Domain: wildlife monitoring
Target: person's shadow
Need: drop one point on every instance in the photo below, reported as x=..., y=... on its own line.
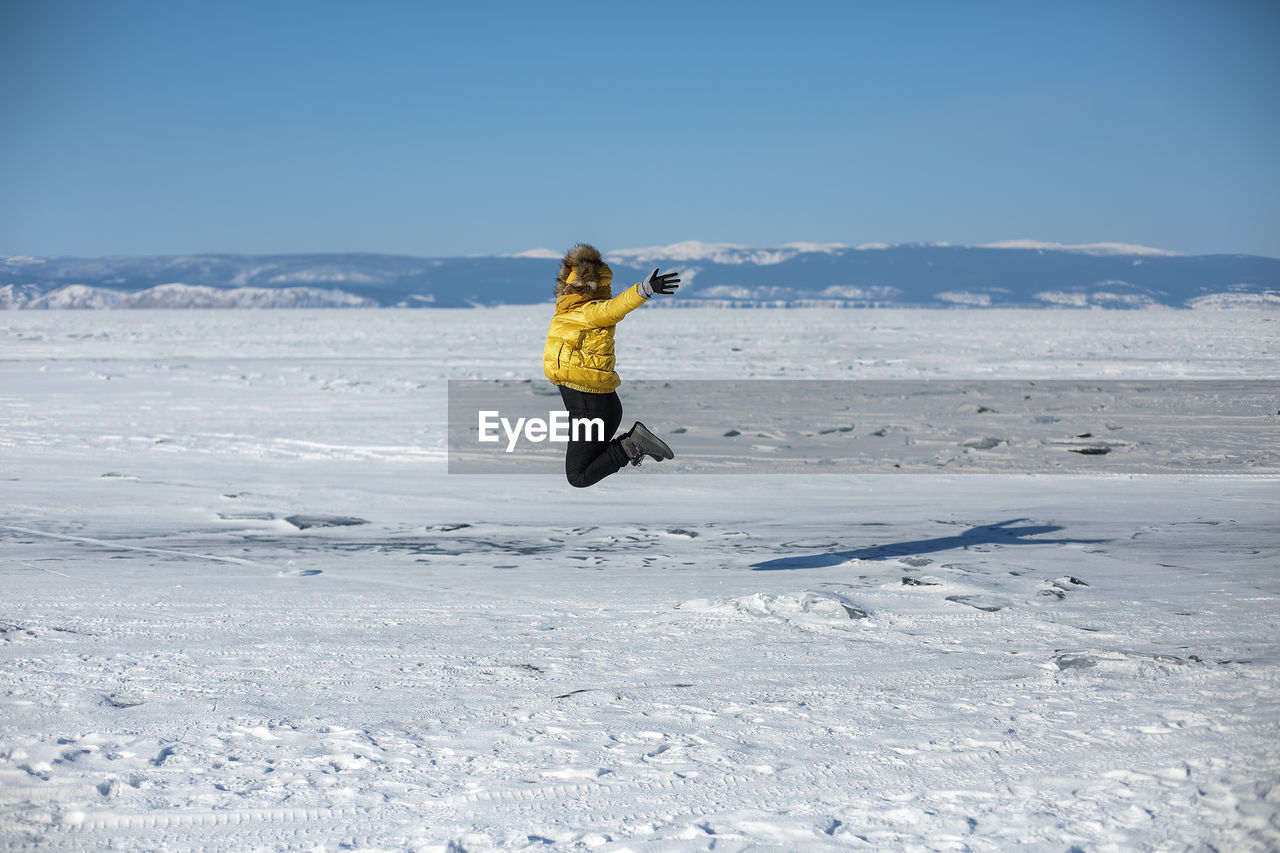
x=989, y=534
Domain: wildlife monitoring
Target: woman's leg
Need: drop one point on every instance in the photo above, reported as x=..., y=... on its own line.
x=589, y=460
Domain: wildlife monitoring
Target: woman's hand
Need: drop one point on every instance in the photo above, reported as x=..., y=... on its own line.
x=664, y=284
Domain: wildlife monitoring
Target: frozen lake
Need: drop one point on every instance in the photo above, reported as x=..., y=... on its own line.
x=199, y=642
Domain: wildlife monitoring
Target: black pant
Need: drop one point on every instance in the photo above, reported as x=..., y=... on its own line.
x=587, y=462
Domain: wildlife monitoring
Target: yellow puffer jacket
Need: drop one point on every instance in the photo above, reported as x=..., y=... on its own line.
x=579, y=350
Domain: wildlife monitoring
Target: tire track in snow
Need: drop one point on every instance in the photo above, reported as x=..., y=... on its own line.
x=115, y=546
x=79, y=821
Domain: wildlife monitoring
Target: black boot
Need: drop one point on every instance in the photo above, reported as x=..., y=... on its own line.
x=638, y=442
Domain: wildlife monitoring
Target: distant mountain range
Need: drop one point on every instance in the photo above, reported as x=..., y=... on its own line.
x=1014, y=274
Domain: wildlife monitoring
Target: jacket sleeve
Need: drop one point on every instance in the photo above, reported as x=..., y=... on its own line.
x=609, y=312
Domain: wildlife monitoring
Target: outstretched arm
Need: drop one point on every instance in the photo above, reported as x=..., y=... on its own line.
x=608, y=313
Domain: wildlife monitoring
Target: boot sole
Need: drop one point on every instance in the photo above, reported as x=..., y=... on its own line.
x=650, y=443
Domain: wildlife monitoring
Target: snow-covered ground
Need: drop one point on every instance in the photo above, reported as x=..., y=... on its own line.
x=200, y=648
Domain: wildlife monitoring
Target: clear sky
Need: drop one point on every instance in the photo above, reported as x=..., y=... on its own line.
x=427, y=128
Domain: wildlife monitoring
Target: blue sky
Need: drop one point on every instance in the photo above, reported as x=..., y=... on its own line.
x=486, y=127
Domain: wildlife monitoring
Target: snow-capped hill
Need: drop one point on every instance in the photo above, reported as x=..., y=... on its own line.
x=734, y=253
x=1016, y=273
x=201, y=296
x=79, y=296
x=1232, y=301
x=538, y=254
x=322, y=276
x=1086, y=248
x=719, y=253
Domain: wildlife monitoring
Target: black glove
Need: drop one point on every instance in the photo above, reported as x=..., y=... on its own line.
x=664, y=284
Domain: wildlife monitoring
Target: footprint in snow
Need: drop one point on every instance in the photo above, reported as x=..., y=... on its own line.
x=1121, y=662
x=302, y=522
x=1059, y=588
x=989, y=603
x=983, y=443
x=807, y=608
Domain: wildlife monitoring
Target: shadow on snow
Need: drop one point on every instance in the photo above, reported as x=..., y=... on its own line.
x=990, y=534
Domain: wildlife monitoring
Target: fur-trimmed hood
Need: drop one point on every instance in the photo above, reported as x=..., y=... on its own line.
x=583, y=272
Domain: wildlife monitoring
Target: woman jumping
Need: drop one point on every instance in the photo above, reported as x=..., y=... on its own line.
x=579, y=359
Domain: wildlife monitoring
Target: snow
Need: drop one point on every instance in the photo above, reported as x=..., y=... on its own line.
x=964, y=297
x=1105, y=299
x=246, y=608
x=78, y=296
x=850, y=292
x=1059, y=297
